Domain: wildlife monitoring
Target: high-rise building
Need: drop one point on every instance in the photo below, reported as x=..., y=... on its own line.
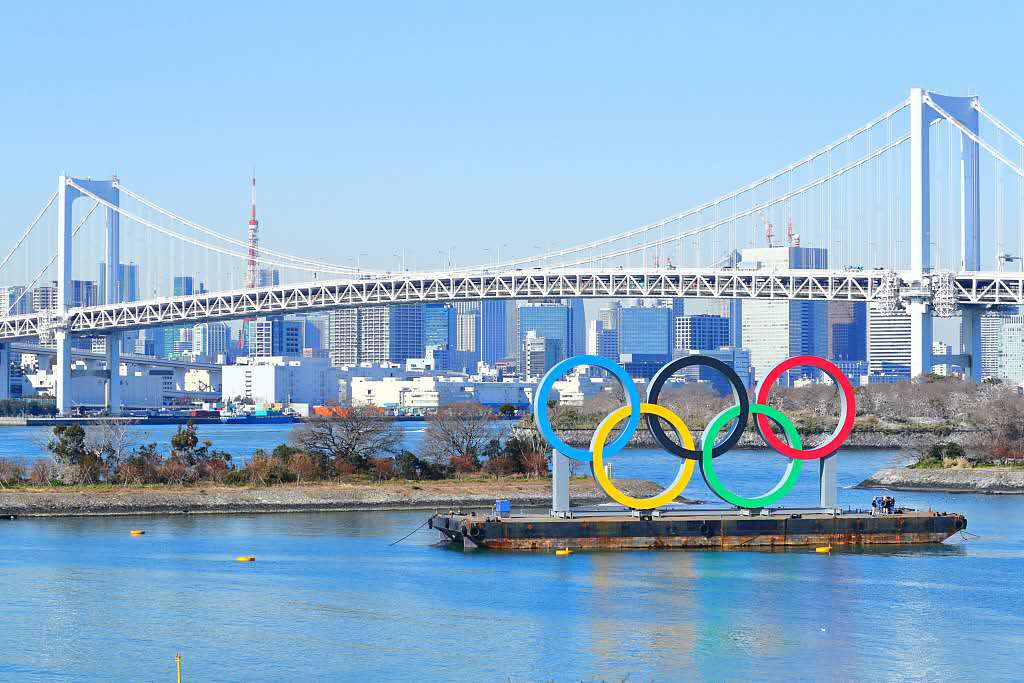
x=129, y=289
x=1010, y=351
x=210, y=339
x=776, y=330
x=539, y=354
x=44, y=297
x=494, y=324
x=554, y=322
x=701, y=332
x=888, y=346
x=83, y=293
x=177, y=338
x=602, y=342
x=343, y=336
x=577, y=343
x=390, y=333
x=645, y=331
x=737, y=359
x=847, y=330
x=439, y=325
x=482, y=331
x=14, y=301
x=268, y=277
x=609, y=315
x=275, y=336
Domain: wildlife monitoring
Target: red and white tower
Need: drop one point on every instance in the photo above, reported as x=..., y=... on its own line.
x=252, y=275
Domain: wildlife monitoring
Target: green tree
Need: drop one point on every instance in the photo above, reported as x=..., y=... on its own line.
x=70, y=450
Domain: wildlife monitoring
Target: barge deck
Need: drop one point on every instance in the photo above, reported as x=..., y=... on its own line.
x=704, y=529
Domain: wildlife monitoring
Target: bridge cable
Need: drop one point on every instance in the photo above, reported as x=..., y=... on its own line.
x=39, y=217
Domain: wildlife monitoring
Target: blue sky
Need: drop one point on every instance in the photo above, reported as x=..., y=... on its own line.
x=438, y=124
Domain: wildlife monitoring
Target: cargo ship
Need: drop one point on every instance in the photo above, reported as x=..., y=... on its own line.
x=727, y=529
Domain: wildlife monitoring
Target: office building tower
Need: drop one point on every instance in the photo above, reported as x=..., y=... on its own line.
x=268, y=277
x=602, y=342
x=847, y=330
x=539, y=354
x=129, y=286
x=343, y=336
x=15, y=301
x=737, y=359
x=44, y=298
x=776, y=330
x=494, y=325
x=645, y=331
x=577, y=327
x=888, y=346
x=553, y=322
x=1009, y=350
x=701, y=332
x=391, y=333
x=210, y=340
x=609, y=315
x=439, y=325
x=83, y=293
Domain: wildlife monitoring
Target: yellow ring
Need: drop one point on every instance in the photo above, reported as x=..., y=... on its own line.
x=685, y=468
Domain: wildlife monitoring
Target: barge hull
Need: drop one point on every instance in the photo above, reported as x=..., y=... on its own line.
x=725, y=531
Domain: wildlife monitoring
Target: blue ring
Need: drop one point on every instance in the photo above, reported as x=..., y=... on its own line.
x=540, y=406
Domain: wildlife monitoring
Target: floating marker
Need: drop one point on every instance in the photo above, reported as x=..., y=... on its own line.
x=823, y=549
x=138, y=532
x=564, y=551
x=245, y=558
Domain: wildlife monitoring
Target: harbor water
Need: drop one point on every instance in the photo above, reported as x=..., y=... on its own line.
x=329, y=599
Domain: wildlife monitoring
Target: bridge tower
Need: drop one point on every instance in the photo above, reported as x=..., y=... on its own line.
x=66, y=195
x=922, y=114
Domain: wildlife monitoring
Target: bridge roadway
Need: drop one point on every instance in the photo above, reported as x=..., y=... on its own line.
x=965, y=289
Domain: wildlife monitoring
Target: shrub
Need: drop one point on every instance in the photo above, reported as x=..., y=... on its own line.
x=11, y=472
x=384, y=468
x=303, y=466
x=41, y=473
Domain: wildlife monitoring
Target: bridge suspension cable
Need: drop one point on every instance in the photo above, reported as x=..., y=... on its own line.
x=191, y=240
x=656, y=225
x=975, y=138
x=28, y=231
x=300, y=262
x=42, y=271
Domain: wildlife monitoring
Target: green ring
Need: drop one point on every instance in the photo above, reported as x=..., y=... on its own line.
x=707, y=466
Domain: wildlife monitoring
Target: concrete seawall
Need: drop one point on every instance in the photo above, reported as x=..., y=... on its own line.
x=980, y=480
x=913, y=440
x=420, y=495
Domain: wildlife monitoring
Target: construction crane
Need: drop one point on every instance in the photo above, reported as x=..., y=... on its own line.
x=792, y=238
x=769, y=230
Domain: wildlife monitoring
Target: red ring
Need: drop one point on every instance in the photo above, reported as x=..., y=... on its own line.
x=847, y=399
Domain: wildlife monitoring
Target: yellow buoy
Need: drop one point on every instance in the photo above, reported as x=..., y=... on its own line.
x=564, y=551
x=823, y=549
x=245, y=558
x=137, y=532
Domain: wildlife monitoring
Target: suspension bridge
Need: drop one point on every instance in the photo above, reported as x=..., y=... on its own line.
x=897, y=203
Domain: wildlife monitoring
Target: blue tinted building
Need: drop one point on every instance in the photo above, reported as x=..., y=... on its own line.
x=645, y=331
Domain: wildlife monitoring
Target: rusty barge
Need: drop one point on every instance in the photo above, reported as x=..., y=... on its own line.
x=692, y=529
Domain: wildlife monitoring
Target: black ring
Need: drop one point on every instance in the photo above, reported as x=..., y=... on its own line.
x=738, y=390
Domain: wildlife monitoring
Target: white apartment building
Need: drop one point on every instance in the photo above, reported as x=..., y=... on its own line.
x=276, y=379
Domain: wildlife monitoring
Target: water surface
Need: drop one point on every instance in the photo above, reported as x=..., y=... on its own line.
x=329, y=599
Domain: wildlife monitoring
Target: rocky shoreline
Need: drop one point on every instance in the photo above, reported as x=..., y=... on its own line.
x=996, y=480
x=322, y=497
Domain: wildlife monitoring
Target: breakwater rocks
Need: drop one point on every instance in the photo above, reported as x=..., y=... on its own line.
x=910, y=439
x=422, y=495
x=952, y=480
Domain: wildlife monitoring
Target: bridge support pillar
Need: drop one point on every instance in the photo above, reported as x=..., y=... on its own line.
x=920, y=338
x=5, y=370
x=970, y=341
x=113, y=394
x=62, y=372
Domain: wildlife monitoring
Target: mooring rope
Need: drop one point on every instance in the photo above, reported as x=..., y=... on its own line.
x=425, y=522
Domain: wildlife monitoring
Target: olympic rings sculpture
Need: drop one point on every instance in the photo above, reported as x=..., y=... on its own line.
x=734, y=417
